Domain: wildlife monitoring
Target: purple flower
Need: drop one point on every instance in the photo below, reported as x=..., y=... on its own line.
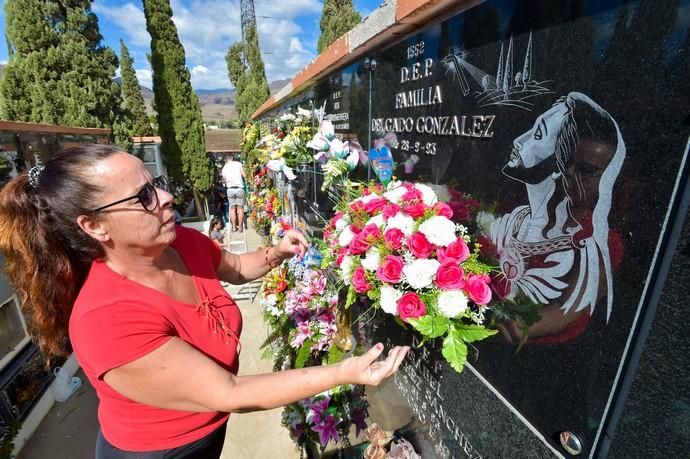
x=317, y=409
x=359, y=416
x=327, y=430
x=303, y=333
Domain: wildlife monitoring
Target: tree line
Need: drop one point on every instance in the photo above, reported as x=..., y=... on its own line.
x=60, y=72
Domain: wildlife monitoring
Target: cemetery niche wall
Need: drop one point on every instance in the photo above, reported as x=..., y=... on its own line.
x=562, y=128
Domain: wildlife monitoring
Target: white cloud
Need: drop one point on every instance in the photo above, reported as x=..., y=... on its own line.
x=129, y=18
x=208, y=27
x=145, y=77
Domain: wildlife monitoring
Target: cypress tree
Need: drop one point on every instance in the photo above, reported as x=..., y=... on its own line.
x=134, y=101
x=58, y=71
x=180, y=123
x=337, y=18
x=247, y=73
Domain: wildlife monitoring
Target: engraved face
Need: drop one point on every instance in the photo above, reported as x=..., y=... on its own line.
x=533, y=158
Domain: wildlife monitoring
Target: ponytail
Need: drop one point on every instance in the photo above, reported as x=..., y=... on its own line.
x=48, y=256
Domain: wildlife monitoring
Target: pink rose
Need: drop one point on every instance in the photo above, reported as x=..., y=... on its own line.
x=410, y=306
x=366, y=192
x=371, y=233
x=450, y=276
x=443, y=209
x=419, y=245
x=357, y=206
x=391, y=210
x=415, y=210
x=375, y=205
x=457, y=251
x=359, y=244
x=393, y=238
x=478, y=290
x=341, y=255
x=412, y=194
x=356, y=228
x=390, y=270
x=359, y=280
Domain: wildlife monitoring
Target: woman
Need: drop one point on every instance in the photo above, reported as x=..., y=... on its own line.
x=215, y=233
x=108, y=274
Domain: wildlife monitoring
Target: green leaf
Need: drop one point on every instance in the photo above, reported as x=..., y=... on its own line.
x=335, y=355
x=471, y=333
x=373, y=294
x=430, y=326
x=351, y=297
x=455, y=350
x=303, y=354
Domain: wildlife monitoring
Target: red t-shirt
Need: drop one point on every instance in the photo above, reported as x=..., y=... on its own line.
x=116, y=321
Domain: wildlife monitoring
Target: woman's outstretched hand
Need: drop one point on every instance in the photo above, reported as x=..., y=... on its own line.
x=365, y=369
x=293, y=243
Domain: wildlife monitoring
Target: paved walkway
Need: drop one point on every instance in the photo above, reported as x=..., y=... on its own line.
x=70, y=428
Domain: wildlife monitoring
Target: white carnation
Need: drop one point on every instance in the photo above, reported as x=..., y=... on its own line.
x=428, y=196
x=372, y=260
x=452, y=303
x=395, y=195
x=439, y=230
x=346, y=236
x=389, y=299
x=367, y=198
x=403, y=222
x=342, y=222
x=378, y=220
x=346, y=269
x=420, y=273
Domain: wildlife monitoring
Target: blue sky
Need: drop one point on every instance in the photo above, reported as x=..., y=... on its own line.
x=288, y=32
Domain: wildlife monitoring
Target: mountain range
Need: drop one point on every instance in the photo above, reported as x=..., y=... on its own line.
x=216, y=104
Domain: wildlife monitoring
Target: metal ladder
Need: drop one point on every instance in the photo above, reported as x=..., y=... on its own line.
x=237, y=245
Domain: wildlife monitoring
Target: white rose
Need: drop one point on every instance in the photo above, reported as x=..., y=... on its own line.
x=346, y=269
x=403, y=222
x=342, y=222
x=377, y=220
x=272, y=299
x=452, y=303
x=395, y=195
x=389, y=299
x=428, y=196
x=367, y=198
x=420, y=273
x=438, y=230
x=346, y=236
x=372, y=260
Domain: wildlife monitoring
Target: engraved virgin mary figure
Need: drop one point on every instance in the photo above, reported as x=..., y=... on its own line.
x=555, y=249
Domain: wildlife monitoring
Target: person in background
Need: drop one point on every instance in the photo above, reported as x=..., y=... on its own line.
x=233, y=176
x=215, y=231
x=107, y=274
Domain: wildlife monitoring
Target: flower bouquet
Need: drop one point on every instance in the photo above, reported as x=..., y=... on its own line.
x=326, y=417
x=265, y=207
x=337, y=157
x=400, y=249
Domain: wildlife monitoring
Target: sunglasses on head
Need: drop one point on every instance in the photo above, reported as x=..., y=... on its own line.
x=147, y=196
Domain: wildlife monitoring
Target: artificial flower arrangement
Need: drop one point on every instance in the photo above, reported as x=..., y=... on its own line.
x=278, y=229
x=336, y=157
x=400, y=248
x=300, y=307
x=327, y=417
x=289, y=147
x=265, y=207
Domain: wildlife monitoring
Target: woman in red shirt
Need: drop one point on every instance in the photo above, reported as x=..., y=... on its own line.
x=108, y=274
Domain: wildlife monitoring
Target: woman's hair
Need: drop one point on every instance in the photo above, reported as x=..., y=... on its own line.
x=212, y=225
x=48, y=255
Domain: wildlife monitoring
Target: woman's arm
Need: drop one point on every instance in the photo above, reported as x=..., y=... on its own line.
x=176, y=376
x=240, y=269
